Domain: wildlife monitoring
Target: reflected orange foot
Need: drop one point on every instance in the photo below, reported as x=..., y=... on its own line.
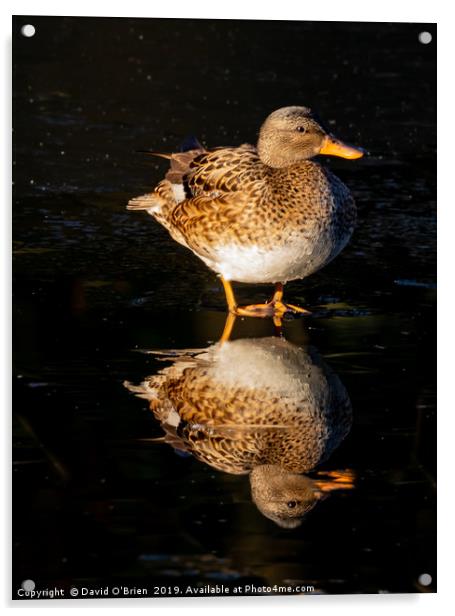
x=342, y=476
x=339, y=480
x=275, y=308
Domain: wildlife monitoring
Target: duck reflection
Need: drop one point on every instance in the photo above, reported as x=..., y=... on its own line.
x=257, y=406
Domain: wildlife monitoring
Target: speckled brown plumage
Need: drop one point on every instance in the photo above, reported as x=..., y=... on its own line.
x=259, y=214
x=249, y=403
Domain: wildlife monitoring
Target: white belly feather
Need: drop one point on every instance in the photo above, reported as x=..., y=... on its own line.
x=254, y=264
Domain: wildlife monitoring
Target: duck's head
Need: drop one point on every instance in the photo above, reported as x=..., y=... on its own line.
x=282, y=496
x=293, y=134
x=286, y=497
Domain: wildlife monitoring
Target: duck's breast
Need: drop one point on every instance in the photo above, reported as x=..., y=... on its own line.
x=291, y=233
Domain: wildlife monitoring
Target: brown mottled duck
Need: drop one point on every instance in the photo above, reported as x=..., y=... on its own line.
x=259, y=214
x=262, y=407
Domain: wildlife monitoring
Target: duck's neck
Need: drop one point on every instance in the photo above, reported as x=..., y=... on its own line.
x=280, y=159
x=272, y=159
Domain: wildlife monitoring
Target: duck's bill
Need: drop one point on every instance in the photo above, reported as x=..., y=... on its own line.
x=334, y=147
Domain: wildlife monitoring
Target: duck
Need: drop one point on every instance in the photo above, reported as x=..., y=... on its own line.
x=259, y=214
x=261, y=407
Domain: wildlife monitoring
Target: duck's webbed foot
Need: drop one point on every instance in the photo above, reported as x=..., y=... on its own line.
x=275, y=308
x=336, y=480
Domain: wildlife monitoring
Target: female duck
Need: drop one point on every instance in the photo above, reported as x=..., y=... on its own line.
x=264, y=214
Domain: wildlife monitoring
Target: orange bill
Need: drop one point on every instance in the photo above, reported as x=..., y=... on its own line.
x=334, y=147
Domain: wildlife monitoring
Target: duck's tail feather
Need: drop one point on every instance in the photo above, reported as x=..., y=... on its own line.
x=151, y=202
x=179, y=161
x=160, y=204
x=167, y=155
x=189, y=144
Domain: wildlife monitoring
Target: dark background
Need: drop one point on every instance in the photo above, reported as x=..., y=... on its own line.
x=93, y=503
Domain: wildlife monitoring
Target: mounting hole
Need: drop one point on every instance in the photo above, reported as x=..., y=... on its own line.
x=28, y=585
x=425, y=38
x=425, y=579
x=28, y=30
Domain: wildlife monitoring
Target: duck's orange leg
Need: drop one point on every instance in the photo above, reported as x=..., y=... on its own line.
x=228, y=327
x=280, y=306
x=275, y=308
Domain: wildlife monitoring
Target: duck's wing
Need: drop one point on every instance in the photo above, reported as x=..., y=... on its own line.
x=208, y=195
x=187, y=425
x=222, y=184
x=206, y=171
x=200, y=172
x=223, y=170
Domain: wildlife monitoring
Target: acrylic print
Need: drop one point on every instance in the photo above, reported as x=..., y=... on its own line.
x=224, y=308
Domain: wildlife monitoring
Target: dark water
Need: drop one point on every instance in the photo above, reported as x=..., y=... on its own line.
x=95, y=501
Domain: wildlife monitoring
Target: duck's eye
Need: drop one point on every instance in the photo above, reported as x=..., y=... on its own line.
x=292, y=504
x=301, y=129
